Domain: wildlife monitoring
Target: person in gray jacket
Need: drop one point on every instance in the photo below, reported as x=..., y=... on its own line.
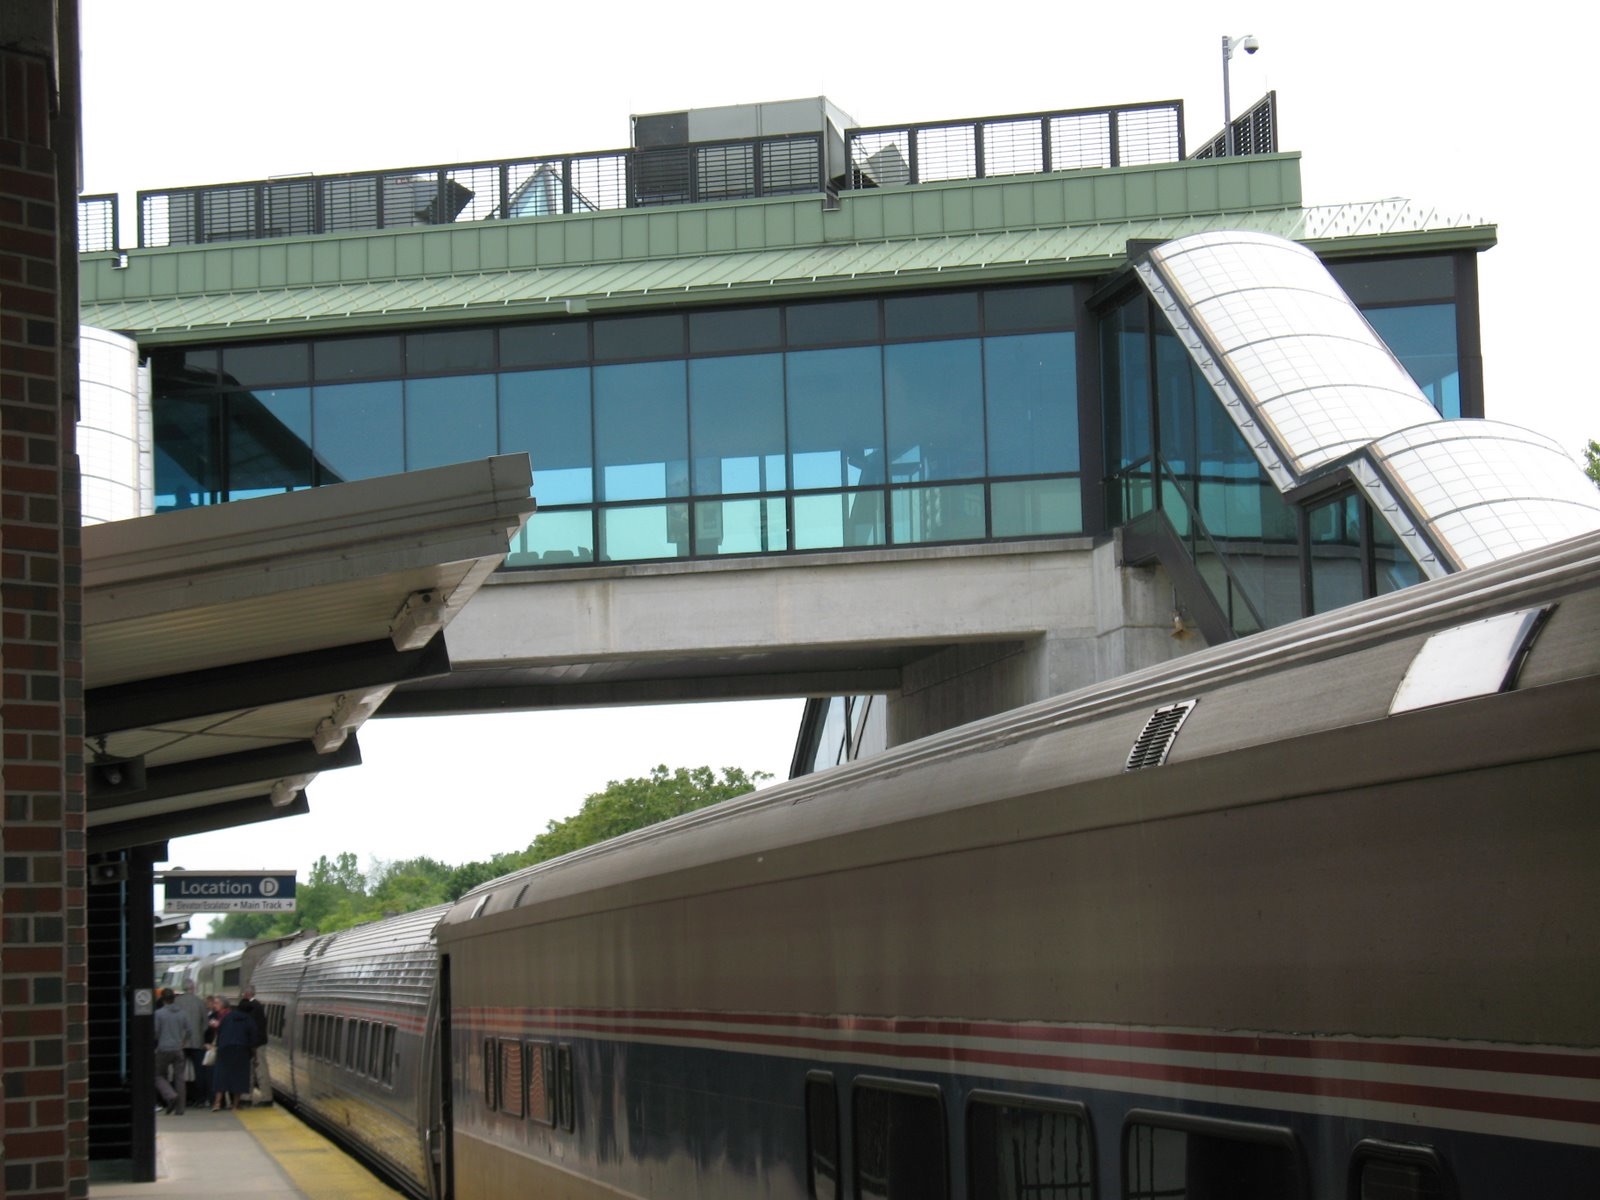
x=194, y=1010
x=172, y=1038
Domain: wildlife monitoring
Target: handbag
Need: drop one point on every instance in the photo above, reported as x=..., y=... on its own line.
x=210, y=1059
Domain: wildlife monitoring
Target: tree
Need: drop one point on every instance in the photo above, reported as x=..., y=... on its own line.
x=629, y=804
x=1591, y=461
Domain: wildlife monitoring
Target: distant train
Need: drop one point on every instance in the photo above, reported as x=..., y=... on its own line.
x=1312, y=914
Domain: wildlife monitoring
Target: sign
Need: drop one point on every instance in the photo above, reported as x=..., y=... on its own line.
x=144, y=1002
x=174, y=949
x=233, y=891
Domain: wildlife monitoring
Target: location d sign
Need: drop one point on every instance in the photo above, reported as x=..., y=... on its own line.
x=231, y=891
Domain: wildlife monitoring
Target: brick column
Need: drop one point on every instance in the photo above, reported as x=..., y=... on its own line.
x=42, y=946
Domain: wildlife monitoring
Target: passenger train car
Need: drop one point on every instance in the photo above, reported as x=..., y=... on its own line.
x=351, y=1039
x=1312, y=914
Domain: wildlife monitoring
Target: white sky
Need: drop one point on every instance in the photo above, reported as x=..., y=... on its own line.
x=1471, y=109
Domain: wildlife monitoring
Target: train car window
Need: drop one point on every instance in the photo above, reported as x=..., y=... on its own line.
x=230, y=977
x=1020, y=1147
x=358, y=1060
x=1396, y=1171
x=388, y=1054
x=374, y=1066
x=822, y=1136
x=1169, y=1155
x=491, y=1091
x=513, y=1095
x=566, y=1104
x=899, y=1141
x=336, y=1051
x=541, y=1074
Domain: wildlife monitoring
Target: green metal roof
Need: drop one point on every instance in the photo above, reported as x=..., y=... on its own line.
x=974, y=230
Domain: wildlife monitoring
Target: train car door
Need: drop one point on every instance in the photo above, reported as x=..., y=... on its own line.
x=441, y=1136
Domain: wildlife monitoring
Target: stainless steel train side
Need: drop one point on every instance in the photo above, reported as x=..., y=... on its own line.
x=351, y=1040
x=1330, y=944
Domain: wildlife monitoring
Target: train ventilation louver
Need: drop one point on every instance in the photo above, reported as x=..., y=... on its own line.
x=1160, y=731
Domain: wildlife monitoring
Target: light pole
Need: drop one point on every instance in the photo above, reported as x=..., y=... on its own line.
x=1249, y=43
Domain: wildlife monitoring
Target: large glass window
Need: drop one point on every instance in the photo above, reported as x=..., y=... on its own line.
x=1423, y=338
x=641, y=431
x=836, y=417
x=1031, y=384
x=750, y=430
x=449, y=420
x=188, y=450
x=736, y=424
x=545, y=414
x=269, y=442
x=935, y=410
x=358, y=431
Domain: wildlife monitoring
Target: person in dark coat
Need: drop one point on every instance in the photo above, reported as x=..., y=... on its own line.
x=259, y=1077
x=230, y=1076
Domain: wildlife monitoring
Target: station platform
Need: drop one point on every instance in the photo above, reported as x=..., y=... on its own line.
x=253, y=1154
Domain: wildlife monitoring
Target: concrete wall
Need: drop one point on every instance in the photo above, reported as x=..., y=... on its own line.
x=951, y=633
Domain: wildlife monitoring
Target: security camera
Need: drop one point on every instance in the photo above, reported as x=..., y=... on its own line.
x=1251, y=44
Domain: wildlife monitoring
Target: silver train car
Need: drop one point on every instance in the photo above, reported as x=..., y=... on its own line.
x=1315, y=914
x=351, y=1041
x=1312, y=915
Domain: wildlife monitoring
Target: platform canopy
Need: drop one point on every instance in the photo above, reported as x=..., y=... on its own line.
x=232, y=651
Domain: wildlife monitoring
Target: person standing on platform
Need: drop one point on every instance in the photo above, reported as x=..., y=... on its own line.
x=230, y=1076
x=260, y=1077
x=194, y=1011
x=172, y=1038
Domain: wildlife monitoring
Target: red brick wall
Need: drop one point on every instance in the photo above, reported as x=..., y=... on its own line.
x=42, y=947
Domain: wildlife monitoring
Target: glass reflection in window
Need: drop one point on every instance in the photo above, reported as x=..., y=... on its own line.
x=935, y=410
x=641, y=431
x=545, y=414
x=1031, y=386
x=269, y=442
x=357, y=430
x=449, y=420
x=736, y=424
x=836, y=417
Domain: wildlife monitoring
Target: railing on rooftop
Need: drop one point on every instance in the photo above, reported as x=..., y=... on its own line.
x=440, y=195
x=709, y=172
x=97, y=223
x=1255, y=131
x=1026, y=144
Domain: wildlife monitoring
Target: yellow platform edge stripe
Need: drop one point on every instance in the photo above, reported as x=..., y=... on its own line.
x=316, y=1167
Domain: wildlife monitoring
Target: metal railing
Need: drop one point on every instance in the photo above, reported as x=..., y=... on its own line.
x=1254, y=132
x=878, y=156
x=1023, y=144
x=418, y=196
x=97, y=224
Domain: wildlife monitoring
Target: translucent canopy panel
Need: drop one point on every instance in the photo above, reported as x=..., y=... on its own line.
x=1485, y=489
x=1313, y=390
x=1302, y=358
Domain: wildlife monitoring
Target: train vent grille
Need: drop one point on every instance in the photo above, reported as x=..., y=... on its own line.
x=1160, y=731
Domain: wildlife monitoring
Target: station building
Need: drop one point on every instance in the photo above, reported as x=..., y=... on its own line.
x=920, y=422
x=813, y=408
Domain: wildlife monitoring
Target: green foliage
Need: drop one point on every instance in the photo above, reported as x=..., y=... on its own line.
x=629, y=804
x=1591, y=461
x=338, y=894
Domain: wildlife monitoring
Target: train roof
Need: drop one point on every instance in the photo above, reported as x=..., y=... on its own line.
x=392, y=959
x=1269, y=713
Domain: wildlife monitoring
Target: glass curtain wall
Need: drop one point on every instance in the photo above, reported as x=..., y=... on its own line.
x=1171, y=446
x=935, y=417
